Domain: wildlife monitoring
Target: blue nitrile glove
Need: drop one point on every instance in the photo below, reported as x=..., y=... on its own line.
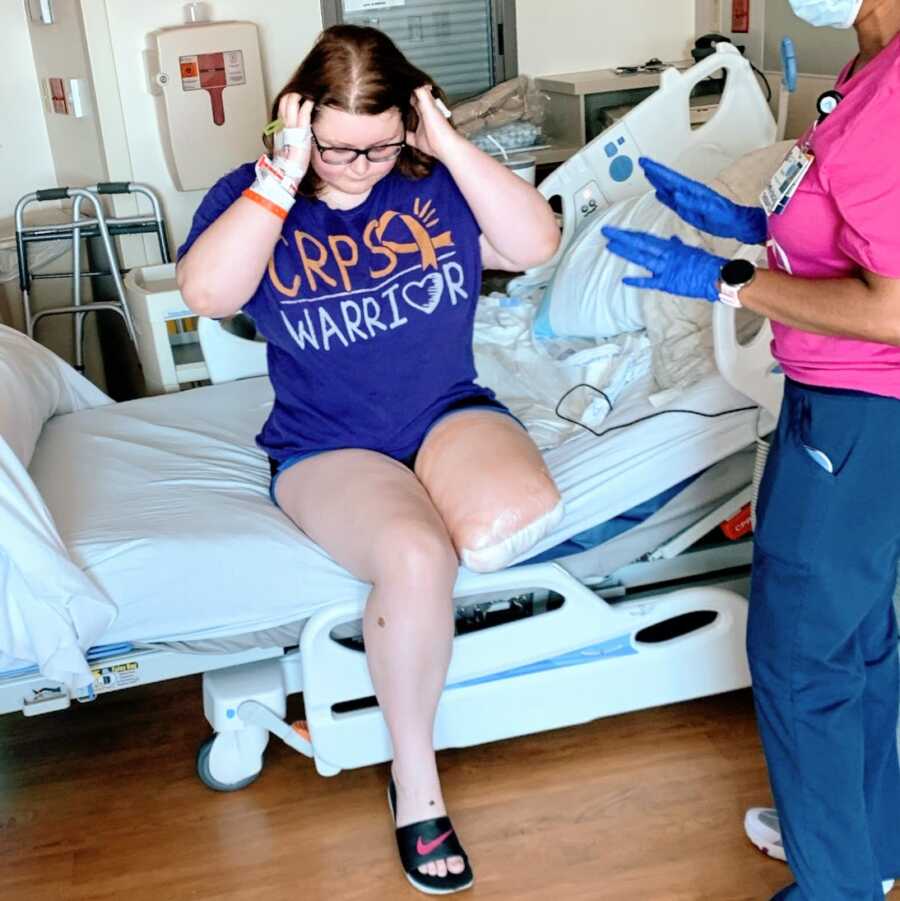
x=704, y=208
x=676, y=267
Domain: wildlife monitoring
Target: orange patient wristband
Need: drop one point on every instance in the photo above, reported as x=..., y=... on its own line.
x=265, y=203
x=274, y=188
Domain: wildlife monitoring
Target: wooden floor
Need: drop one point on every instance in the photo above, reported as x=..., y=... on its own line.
x=101, y=802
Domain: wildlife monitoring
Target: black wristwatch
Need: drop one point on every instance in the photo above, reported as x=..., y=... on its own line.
x=734, y=276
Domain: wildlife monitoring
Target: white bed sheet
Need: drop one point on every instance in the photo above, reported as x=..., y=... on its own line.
x=164, y=502
x=532, y=375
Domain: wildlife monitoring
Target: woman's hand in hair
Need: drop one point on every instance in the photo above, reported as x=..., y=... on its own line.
x=434, y=134
x=295, y=112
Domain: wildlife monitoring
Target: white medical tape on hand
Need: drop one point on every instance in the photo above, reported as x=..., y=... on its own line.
x=291, y=168
x=295, y=137
x=291, y=137
x=442, y=107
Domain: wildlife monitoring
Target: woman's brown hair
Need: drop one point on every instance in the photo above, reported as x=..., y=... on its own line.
x=360, y=70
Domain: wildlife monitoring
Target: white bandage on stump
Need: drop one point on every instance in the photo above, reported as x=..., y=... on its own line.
x=496, y=555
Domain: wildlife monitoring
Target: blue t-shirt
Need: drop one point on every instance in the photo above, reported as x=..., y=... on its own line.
x=368, y=313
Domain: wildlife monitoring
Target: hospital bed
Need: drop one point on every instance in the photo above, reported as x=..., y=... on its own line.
x=172, y=560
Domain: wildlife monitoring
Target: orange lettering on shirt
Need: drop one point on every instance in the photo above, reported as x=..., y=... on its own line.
x=422, y=241
x=311, y=266
x=391, y=264
x=344, y=263
x=280, y=287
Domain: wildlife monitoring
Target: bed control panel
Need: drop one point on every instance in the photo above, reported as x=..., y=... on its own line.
x=620, y=163
x=590, y=199
x=616, y=177
x=621, y=166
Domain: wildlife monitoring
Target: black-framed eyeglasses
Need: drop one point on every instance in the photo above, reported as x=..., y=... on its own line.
x=343, y=156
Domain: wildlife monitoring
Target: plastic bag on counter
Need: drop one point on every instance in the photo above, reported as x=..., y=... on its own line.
x=506, y=103
x=515, y=136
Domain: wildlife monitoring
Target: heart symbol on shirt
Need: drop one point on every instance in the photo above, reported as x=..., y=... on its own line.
x=426, y=294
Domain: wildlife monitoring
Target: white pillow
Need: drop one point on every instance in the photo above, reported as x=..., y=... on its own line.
x=680, y=330
x=35, y=384
x=586, y=297
x=743, y=181
x=50, y=611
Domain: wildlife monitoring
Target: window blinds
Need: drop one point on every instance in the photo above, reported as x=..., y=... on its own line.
x=448, y=39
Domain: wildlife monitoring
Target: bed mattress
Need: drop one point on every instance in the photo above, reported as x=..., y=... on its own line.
x=164, y=502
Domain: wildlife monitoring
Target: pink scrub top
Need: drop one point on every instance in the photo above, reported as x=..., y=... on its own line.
x=845, y=217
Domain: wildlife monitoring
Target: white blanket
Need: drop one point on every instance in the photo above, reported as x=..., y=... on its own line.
x=558, y=388
x=51, y=612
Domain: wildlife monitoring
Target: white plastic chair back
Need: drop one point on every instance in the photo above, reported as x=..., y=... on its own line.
x=228, y=356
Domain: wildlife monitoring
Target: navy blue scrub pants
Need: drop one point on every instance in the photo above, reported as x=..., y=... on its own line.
x=822, y=639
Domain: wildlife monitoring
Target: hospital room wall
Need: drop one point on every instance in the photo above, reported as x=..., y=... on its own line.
x=821, y=52
x=573, y=35
x=117, y=34
x=73, y=145
x=24, y=147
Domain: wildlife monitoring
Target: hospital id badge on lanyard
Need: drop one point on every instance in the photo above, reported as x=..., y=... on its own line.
x=799, y=161
x=788, y=178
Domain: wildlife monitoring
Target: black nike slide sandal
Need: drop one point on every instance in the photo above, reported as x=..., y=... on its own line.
x=420, y=843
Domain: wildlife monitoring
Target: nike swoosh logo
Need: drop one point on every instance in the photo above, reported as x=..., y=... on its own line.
x=424, y=848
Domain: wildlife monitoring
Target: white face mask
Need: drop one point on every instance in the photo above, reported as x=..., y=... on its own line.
x=827, y=13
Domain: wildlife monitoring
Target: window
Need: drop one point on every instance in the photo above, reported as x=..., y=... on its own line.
x=467, y=46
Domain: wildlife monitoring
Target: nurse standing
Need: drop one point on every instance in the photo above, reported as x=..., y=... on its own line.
x=822, y=636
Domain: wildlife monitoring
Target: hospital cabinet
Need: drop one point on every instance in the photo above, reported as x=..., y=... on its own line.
x=584, y=104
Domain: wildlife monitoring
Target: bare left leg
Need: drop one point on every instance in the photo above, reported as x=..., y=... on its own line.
x=374, y=518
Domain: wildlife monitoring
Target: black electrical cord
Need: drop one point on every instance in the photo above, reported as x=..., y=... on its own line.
x=762, y=75
x=626, y=425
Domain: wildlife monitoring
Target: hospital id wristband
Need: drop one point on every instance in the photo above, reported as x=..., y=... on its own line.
x=265, y=203
x=274, y=193
x=269, y=171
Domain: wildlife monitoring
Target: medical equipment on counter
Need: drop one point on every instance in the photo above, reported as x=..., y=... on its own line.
x=168, y=349
x=606, y=169
x=174, y=354
x=79, y=229
x=211, y=98
x=788, y=84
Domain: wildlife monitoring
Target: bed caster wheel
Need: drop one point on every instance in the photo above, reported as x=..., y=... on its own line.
x=225, y=763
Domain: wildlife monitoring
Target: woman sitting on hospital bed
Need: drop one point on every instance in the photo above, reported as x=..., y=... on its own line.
x=357, y=248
